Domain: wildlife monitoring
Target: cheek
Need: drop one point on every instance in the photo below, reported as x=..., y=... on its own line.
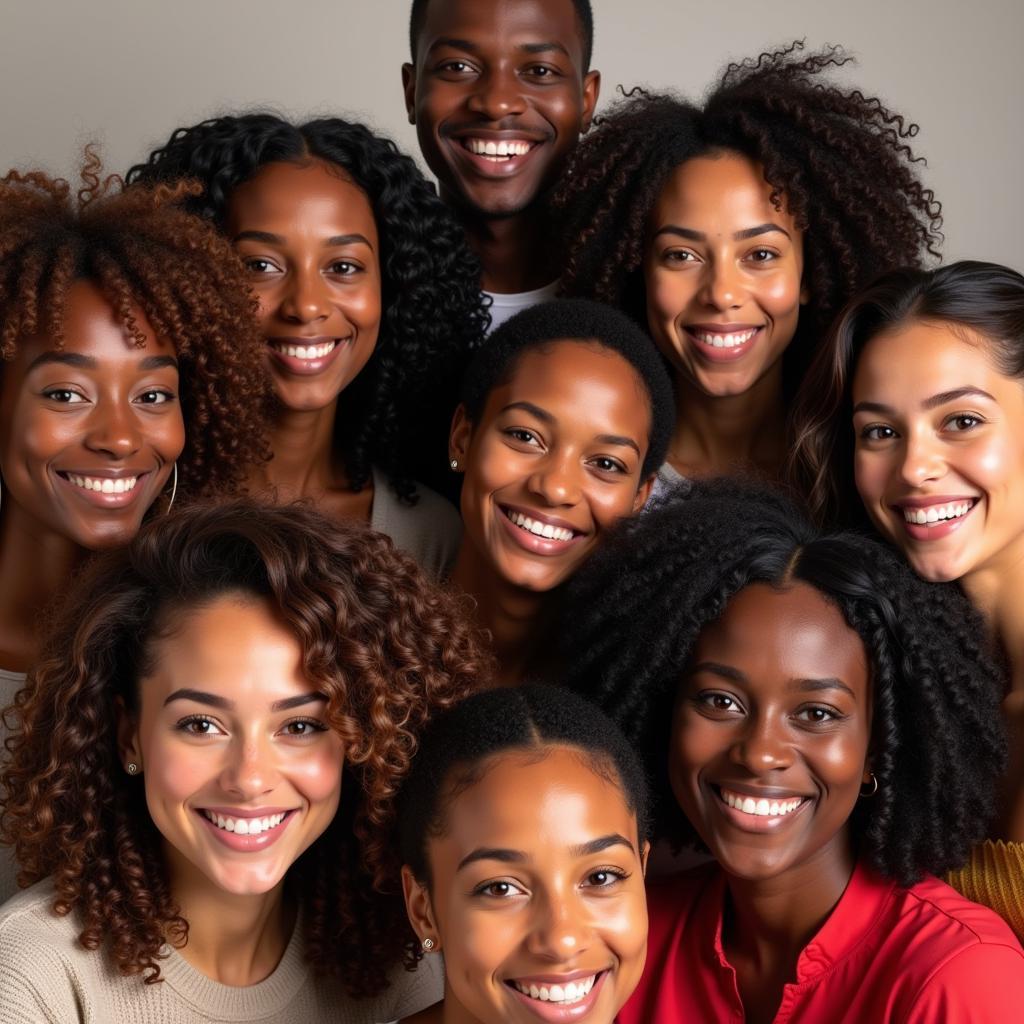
x=477, y=943
x=363, y=307
x=779, y=295
x=167, y=435
x=316, y=773
x=173, y=775
x=871, y=471
x=668, y=294
x=998, y=463
x=609, y=505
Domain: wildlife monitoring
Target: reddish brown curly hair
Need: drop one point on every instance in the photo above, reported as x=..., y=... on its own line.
x=144, y=253
x=387, y=647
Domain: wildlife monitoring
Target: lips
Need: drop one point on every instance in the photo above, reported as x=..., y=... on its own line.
x=759, y=810
x=723, y=343
x=246, y=831
x=110, y=489
x=536, y=532
x=559, y=999
x=495, y=154
x=306, y=356
x=931, y=518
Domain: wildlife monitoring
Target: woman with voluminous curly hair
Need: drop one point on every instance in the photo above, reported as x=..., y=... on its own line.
x=827, y=725
x=203, y=775
x=131, y=377
x=370, y=305
x=735, y=229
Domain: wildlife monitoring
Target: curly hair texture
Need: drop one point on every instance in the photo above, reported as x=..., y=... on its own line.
x=937, y=742
x=387, y=648
x=984, y=300
x=143, y=252
x=561, y=319
x=838, y=159
x=433, y=310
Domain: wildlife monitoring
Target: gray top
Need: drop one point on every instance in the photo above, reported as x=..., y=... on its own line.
x=429, y=531
x=668, y=480
x=10, y=684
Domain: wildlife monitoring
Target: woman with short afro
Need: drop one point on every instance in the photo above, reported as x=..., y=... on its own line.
x=735, y=229
x=370, y=305
x=827, y=725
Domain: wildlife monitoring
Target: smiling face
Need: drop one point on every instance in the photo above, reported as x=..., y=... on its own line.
x=537, y=893
x=722, y=272
x=242, y=772
x=555, y=461
x=309, y=240
x=499, y=97
x=939, y=458
x=770, y=733
x=89, y=433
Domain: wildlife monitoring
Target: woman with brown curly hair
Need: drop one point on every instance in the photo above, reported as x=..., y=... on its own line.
x=204, y=772
x=736, y=229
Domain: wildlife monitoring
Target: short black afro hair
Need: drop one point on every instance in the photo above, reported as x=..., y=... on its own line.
x=576, y=320
x=584, y=15
x=635, y=611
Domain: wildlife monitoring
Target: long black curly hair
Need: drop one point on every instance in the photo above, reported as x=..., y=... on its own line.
x=837, y=158
x=635, y=611
x=395, y=414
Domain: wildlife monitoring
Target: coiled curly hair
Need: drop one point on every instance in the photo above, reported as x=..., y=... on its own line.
x=143, y=252
x=396, y=413
x=937, y=748
x=838, y=159
x=387, y=648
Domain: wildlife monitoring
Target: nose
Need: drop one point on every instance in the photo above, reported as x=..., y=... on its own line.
x=306, y=299
x=560, y=930
x=762, y=745
x=922, y=460
x=498, y=94
x=249, y=769
x=556, y=480
x=113, y=428
x=722, y=286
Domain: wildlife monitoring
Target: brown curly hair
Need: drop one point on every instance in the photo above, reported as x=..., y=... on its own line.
x=387, y=647
x=143, y=252
x=839, y=158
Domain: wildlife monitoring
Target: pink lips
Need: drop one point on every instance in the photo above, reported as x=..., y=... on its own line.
x=939, y=530
x=531, y=542
x=305, y=367
x=756, y=822
x=556, y=1013
x=486, y=168
x=727, y=353
x=246, y=843
x=100, y=499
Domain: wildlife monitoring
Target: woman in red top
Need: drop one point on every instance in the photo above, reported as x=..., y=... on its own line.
x=827, y=725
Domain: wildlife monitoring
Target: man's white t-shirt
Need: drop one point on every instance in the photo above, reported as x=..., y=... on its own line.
x=505, y=306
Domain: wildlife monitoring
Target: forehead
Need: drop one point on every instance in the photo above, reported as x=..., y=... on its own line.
x=501, y=24
x=776, y=635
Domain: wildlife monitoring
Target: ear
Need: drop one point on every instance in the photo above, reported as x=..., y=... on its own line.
x=409, y=88
x=644, y=492
x=459, y=438
x=419, y=909
x=128, y=748
x=645, y=852
x=591, y=91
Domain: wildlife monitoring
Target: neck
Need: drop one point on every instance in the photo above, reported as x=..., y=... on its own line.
x=513, y=616
x=303, y=463
x=515, y=252
x=716, y=435
x=36, y=566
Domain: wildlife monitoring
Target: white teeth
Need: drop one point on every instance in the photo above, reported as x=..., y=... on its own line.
x=725, y=340
x=761, y=808
x=545, y=530
x=245, y=826
x=937, y=513
x=105, y=485
x=306, y=351
x=570, y=992
x=498, y=151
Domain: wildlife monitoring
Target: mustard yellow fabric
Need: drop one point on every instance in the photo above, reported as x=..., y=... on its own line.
x=994, y=877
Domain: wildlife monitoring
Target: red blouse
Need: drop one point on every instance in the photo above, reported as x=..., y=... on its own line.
x=922, y=955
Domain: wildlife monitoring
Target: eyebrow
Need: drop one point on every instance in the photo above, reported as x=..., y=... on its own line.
x=271, y=239
x=738, y=236
x=599, y=844
x=81, y=362
x=214, y=701
x=545, y=417
x=802, y=685
x=929, y=403
x=725, y=671
x=507, y=856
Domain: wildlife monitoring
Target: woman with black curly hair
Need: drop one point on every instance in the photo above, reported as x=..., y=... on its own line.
x=370, y=305
x=202, y=780
x=735, y=230
x=827, y=725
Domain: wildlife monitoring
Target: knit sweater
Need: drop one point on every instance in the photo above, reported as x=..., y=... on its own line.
x=994, y=877
x=10, y=684
x=46, y=976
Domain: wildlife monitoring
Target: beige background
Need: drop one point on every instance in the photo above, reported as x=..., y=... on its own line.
x=126, y=72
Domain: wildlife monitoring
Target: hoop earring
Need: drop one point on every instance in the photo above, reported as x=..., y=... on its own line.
x=174, y=488
x=873, y=784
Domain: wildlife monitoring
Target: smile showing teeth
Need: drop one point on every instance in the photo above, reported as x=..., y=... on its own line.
x=105, y=485
x=245, y=826
x=725, y=340
x=570, y=992
x=937, y=513
x=305, y=351
x=545, y=530
x=498, y=151
x=762, y=808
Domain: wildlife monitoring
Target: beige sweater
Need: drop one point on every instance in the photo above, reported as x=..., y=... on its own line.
x=46, y=976
x=10, y=684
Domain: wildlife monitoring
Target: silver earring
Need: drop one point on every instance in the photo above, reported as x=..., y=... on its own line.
x=873, y=784
x=131, y=768
x=174, y=488
x=454, y=463
x=428, y=944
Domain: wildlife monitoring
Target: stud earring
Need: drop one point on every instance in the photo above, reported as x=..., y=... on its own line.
x=873, y=784
x=454, y=463
x=131, y=768
x=428, y=944
x=174, y=488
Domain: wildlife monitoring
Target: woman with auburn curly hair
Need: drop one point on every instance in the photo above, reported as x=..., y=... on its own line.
x=370, y=305
x=736, y=229
x=204, y=773
x=827, y=725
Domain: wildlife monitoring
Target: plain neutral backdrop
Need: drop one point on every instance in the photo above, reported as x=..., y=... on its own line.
x=125, y=73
